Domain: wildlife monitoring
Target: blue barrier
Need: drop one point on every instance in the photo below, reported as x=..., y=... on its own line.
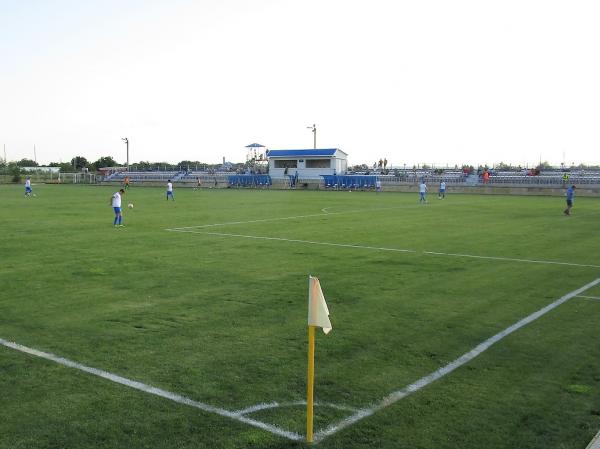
x=249, y=180
x=349, y=182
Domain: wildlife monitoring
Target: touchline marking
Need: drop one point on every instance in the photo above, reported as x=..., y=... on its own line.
x=379, y=248
x=153, y=390
x=432, y=377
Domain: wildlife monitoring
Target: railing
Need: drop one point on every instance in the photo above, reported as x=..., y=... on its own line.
x=549, y=179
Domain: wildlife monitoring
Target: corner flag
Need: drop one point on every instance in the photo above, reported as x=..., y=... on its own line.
x=318, y=316
x=318, y=313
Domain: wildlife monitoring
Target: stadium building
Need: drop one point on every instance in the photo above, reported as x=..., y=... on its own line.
x=307, y=163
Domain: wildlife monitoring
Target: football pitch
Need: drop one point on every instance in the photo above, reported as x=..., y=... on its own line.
x=470, y=322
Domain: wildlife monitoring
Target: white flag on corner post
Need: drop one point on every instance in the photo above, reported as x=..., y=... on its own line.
x=318, y=313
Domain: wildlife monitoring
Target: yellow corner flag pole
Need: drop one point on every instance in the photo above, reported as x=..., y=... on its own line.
x=310, y=384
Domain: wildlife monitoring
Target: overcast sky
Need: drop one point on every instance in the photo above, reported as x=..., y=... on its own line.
x=417, y=81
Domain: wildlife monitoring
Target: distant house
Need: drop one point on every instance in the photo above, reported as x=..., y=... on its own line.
x=308, y=163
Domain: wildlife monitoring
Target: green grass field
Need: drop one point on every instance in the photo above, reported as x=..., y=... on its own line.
x=206, y=297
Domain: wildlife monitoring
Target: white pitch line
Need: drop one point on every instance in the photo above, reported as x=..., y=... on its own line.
x=153, y=390
x=275, y=404
x=595, y=443
x=255, y=221
x=261, y=220
x=467, y=357
x=224, y=234
x=588, y=297
x=511, y=259
x=257, y=408
x=379, y=248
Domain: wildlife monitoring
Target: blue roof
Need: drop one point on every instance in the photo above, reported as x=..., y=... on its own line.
x=302, y=153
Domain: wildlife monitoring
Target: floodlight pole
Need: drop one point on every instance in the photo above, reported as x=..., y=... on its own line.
x=126, y=140
x=314, y=130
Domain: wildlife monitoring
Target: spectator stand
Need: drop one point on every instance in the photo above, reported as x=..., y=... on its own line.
x=145, y=176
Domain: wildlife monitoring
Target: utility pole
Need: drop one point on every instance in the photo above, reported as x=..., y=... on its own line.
x=314, y=130
x=126, y=140
x=34, y=154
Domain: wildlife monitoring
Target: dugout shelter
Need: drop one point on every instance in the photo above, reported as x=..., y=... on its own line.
x=307, y=163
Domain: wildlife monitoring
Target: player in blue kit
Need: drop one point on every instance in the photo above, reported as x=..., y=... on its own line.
x=570, y=197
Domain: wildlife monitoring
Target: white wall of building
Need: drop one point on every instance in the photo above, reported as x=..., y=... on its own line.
x=337, y=164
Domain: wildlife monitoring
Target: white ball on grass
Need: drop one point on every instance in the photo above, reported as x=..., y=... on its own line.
x=130, y=205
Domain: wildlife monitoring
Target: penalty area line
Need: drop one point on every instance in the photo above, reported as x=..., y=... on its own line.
x=447, y=369
x=510, y=259
x=589, y=297
x=153, y=390
x=262, y=220
x=325, y=213
x=310, y=242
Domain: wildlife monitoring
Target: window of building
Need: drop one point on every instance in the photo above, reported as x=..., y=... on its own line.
x=318, y=163
x=286, y=163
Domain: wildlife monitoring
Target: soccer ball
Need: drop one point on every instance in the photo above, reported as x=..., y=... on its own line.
x=130, y=205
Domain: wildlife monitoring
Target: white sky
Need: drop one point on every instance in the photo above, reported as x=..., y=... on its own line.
x=419, y=81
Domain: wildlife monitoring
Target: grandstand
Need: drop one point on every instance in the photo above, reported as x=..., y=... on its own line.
x=189, y=178
x=397, y=179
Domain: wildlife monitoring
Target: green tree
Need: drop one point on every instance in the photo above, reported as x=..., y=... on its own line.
x=544, y=165
x=503, y=166
x=65, y=167
x=15, y=171
x=105, y=161
x=192, y=165
x=27, y=163
x=79, y=162
x=141, y=165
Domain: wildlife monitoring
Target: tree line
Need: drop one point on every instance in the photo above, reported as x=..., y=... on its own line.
x=79, y=163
